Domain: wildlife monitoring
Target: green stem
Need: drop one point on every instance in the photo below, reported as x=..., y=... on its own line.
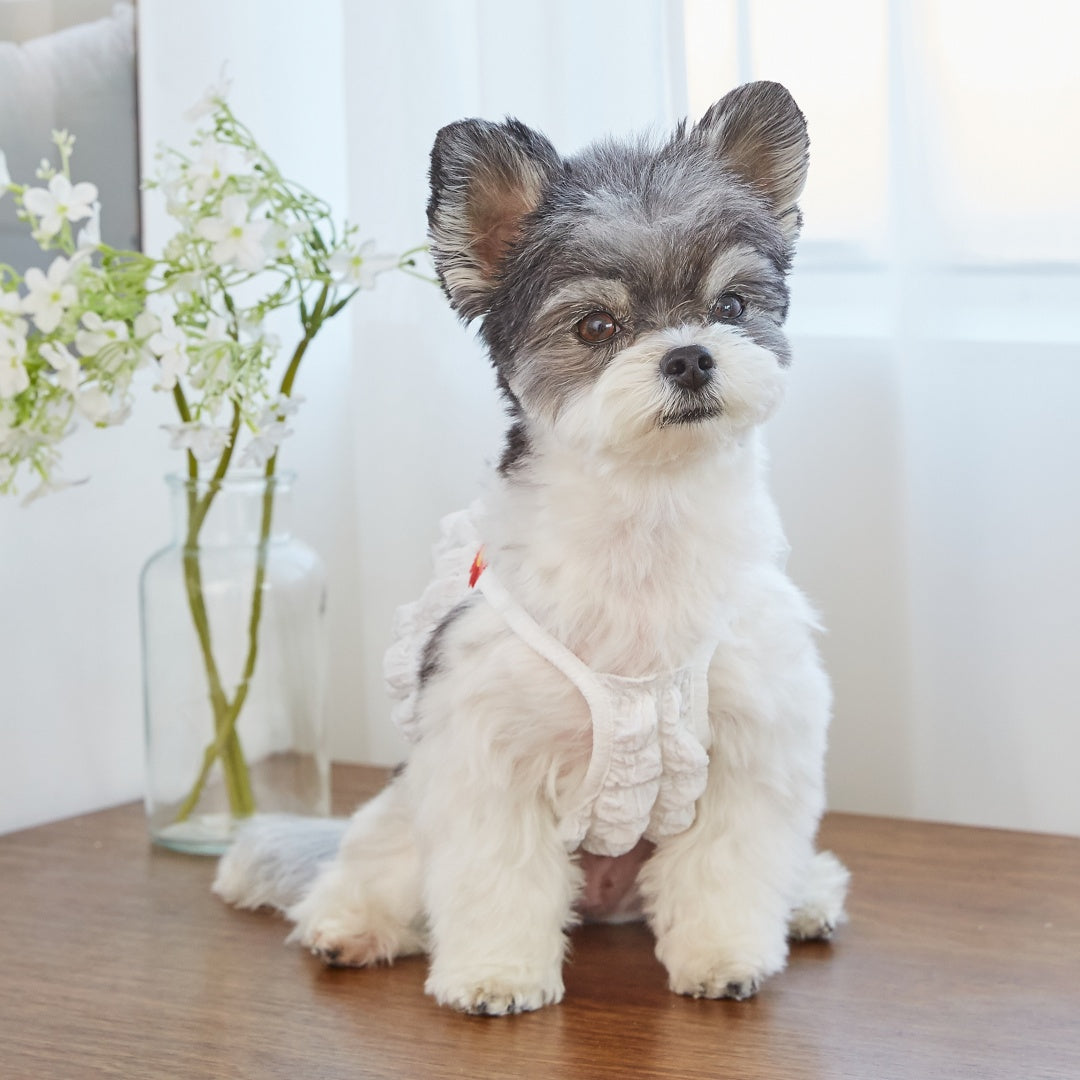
x=265, y=527
x=257, y=593
x=226, y=743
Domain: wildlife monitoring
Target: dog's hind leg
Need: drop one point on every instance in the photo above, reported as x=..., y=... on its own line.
x=365, y=906
x=820, y=909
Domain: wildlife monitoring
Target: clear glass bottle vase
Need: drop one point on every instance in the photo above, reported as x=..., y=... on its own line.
x=234, y=660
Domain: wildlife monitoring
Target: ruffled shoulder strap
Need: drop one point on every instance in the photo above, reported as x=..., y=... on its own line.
x=414, y=623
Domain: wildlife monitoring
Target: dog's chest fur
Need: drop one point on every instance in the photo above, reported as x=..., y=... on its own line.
x=633, y=569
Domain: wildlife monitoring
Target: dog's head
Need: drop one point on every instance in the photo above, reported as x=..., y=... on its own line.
x=632, y=296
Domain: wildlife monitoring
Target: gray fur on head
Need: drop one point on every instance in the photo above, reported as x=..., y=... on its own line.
x=652, y=234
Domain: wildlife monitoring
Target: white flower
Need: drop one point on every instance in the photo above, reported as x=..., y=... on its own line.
x=279, y=237
x=63, y=363
x=217, y=329
x=49, y=295
x=271, y=430
x=147, y=322
x=65, y=142
x=360, y=266
x=265, y=444
x=205, y=441
x=280, y=407
x=169, y=345
x=144, y=326
x=173, y=365
x=187, y=283
x=212, y=97
x=10, y=303
x=210, y=354
x=101, y=408
x=99, y=333
x=90, y=234
x=94, y=404
x=61, y=201
x=215, y=164
x=175, y=204
x=5, y=176
x=13, y=377
x=235, y=239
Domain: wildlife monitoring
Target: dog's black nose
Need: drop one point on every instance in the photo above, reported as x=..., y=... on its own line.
x=691, y=366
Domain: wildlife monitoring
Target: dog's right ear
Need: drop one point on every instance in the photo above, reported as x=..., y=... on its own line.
x=485, y=178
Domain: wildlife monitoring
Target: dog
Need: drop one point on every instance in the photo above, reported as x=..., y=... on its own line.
x=616, y=704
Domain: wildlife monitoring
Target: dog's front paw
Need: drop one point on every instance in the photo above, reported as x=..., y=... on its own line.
x=722, y=982
x=698, y=970
x=494, y=994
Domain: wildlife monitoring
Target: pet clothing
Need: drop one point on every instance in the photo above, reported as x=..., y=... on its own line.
x=649, y=761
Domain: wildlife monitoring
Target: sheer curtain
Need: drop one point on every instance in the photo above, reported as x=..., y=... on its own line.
x=927, y=456
x=427, y=418
x=944, y=167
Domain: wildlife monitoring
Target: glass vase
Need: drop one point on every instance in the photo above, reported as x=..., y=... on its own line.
x=234, y=659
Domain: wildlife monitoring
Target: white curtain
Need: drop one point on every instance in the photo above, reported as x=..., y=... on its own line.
x=927, y=457
x=427, y=417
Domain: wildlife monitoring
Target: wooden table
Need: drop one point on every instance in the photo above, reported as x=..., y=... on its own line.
x=962, y=959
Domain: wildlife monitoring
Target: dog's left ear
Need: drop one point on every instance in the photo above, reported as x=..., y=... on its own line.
x=485, y=178
x=759, y=133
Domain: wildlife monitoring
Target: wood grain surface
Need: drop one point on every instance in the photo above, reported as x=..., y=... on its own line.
x=962, y=959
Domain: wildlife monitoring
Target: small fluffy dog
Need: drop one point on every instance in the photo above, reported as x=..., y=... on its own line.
x=617, y=705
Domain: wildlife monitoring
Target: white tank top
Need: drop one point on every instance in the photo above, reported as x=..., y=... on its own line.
x=649, y=759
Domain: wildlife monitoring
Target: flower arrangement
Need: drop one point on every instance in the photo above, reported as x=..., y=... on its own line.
x=248, y=242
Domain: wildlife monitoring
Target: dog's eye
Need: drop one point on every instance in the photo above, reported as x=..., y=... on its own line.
x=729, y=307
x=597, y=327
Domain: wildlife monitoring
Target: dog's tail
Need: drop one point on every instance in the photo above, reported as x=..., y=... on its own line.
x=274, y=859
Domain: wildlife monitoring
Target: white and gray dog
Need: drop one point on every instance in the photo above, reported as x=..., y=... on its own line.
x=617, y=706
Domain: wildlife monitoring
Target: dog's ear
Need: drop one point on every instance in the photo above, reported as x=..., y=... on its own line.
x=759, y=133
x=484, y=179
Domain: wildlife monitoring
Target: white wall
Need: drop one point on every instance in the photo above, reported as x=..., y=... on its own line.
x=839, y=475
x=994, y=534
x=930, y=495
x=928, y=483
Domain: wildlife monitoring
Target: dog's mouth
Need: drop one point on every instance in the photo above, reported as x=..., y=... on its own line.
x=688, y=414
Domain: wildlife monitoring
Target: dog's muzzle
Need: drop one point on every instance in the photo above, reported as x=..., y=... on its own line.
x=689, y=371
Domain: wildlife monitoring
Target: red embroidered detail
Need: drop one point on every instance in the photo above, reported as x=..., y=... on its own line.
x=479, y=564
